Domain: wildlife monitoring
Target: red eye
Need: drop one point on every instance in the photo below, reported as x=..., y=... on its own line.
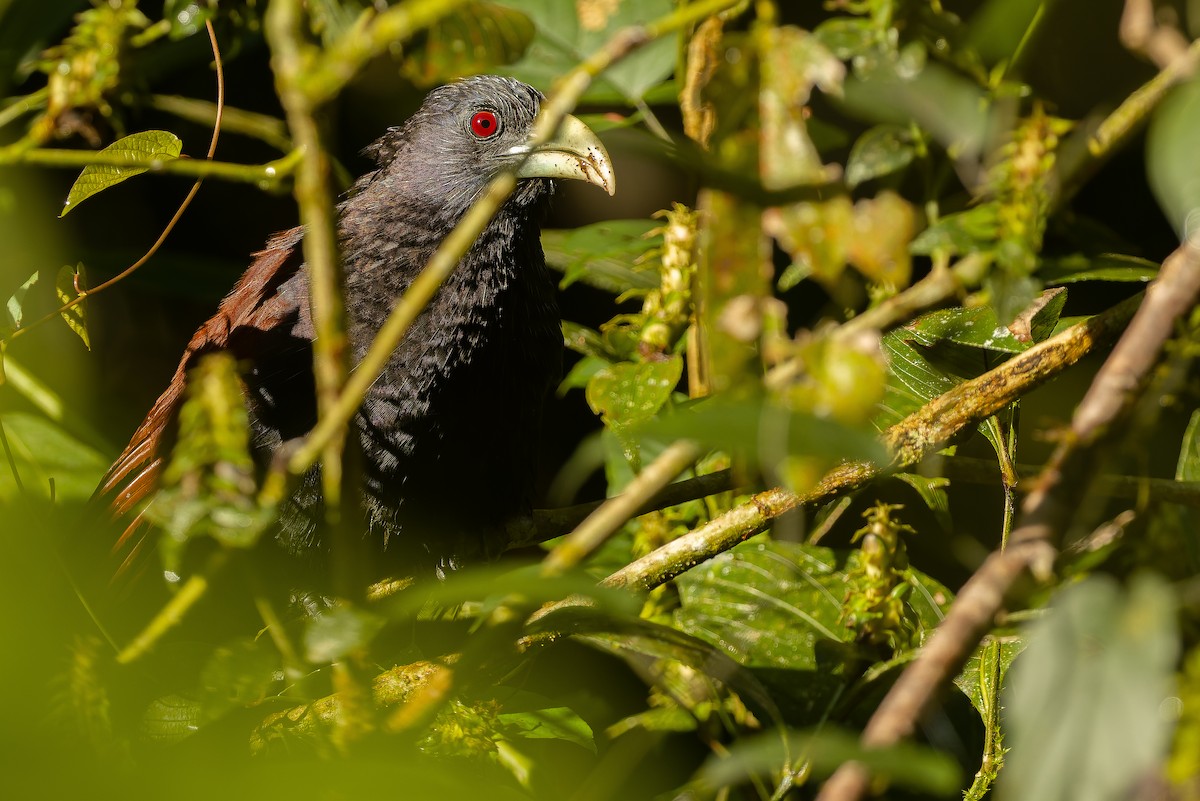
x=484, y=124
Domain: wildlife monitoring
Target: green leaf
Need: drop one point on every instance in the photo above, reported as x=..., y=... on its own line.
x=14, y=309
x=846, y=37
x=915, y=767
x=44, y=452
x=65, y=288
x=139, y=147
x=238, y=674
x=983, y=675
x=778, y=608
x=974, y=328
x=553, y=723
x=628, y=393
x=881, y=150
x=475, y=38
x=335, y=632
x=171, y=719
x=567, y=33
x=932, y=490
x=1084, y=707
x=1172, y=158
x=602, y=255
x=1105, y=267
x=958, y=119
x=586, y=341
x=581, y=373
x=962, y=232
x=187, y=16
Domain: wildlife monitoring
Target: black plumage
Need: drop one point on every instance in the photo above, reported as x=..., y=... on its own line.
x=447, y=433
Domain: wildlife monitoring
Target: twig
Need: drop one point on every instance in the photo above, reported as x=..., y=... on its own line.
x=1045, y=512
x=263, y=127
x=546, y=524
x=610, y=516
x=270, y=173
x=921, y=433
x=1082, y=155
x=1142, y=33
x=1155, y=490
x=290, y=62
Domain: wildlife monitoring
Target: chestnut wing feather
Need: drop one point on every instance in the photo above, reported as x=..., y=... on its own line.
x=253, y=303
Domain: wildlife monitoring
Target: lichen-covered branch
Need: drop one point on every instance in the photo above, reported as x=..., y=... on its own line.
x=909, y=441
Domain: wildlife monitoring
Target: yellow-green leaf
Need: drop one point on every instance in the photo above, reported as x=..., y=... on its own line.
x=68, y=286
x=142, y=150
x=15, y=307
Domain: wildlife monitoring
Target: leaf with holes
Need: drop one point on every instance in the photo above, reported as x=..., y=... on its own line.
x=142, y=151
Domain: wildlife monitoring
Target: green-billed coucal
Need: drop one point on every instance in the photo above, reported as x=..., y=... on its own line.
x=447, y=433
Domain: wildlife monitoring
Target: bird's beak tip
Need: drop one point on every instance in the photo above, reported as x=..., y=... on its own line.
x=575, y=152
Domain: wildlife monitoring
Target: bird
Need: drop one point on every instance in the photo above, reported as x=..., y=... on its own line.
x=447, y=433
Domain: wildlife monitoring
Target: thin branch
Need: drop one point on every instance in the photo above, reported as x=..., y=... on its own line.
x=1142, y=33
x=263, y=127
x=609, y=517
x=270, y=173
x=1082, y=155
x=918, y=435
x=23, y=105
x=291, y=61
x=1045, y=513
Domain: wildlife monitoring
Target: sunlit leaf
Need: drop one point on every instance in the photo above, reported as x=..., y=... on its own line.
x=68, y=285
x=880, y=151
x=188, y=16
x=1105, y=267
x=983, y=676
x=976, y=328
x=1084, y=707
x=14, y=309
x=628, y=393
x=963, y=232
x=155, y=146
x=43, y=452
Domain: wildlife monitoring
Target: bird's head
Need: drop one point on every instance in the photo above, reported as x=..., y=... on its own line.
x=468, y=132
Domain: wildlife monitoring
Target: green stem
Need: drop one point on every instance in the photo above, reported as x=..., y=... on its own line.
x=23, y=105
x=264, y=175
x=313, y=195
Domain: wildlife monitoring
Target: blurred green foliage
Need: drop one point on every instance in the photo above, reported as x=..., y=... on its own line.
x=816, y=166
